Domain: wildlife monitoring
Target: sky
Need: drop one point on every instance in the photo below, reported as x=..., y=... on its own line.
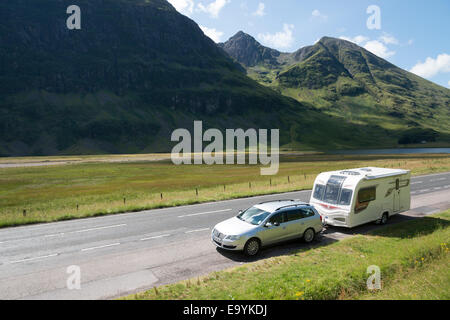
x=413, y=35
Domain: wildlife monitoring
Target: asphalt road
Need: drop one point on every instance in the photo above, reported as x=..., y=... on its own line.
x=126, y=253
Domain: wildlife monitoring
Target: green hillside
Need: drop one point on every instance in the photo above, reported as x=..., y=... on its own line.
x=346, y=81
x=137, y=70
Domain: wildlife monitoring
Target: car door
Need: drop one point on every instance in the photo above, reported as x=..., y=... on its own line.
x=274, y=233
x=309, y=220
x=294, y=223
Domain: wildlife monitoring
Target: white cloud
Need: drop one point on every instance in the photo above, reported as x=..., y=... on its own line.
x=183, y=6
x=280, y=40
x=359, y=40
x=260, y=12
x=432, y=67
x=214, y=34
x=317, y=14
x=378, y=48
x=388, y=39
x=214, y=8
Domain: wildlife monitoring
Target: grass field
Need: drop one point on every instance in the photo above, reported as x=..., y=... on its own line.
x=95, y=186
x=413, y=257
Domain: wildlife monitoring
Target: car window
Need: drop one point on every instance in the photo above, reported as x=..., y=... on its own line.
x=253, y=215
x=276, y=218
x=295, y=214
x=307, y=212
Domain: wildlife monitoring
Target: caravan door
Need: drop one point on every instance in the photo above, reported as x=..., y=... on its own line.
x=397, y=196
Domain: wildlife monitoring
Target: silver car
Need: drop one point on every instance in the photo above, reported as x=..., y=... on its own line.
x=267, y=223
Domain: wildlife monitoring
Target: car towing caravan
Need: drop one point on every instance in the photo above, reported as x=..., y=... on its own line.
x=349, y=198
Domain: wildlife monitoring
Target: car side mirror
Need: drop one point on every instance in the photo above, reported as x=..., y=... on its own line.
x=270, y=224
x=240, y=211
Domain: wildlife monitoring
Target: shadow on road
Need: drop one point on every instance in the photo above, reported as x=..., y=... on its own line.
x=333, y=234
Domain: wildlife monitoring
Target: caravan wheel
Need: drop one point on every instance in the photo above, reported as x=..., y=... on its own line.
x=384, y=218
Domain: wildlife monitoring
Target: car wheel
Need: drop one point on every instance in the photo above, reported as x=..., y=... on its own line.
x=252, y=247
x=309, y=235
x=384, y=218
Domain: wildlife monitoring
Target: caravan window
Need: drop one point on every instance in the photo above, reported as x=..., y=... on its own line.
x=367, y=194
x=333, y=188
x=318, y=191
x=346, y=197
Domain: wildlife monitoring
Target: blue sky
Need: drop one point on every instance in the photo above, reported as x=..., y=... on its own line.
x=413, y=35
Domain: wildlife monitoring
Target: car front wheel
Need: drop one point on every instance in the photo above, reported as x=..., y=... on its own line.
x=252, y=247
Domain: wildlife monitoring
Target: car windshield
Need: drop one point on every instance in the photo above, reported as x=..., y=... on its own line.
x=253, y=215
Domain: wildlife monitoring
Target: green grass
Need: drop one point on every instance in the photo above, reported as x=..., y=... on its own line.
x=336, y=271
x=53, y=193
x=430, y=281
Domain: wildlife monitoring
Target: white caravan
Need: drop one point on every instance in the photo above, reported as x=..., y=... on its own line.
x=349, y=198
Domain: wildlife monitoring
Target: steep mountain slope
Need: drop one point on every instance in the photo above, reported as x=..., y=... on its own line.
x=136, y=71
x=345, y=80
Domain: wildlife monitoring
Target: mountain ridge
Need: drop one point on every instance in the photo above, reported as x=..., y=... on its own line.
x=343, y=79
x=136, y=71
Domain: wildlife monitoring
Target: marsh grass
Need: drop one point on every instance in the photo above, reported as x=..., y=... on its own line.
x=69, y=191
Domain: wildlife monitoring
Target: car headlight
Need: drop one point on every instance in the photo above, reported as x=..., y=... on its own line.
x=232, y=238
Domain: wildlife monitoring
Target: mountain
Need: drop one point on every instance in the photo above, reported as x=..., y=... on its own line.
x=344, y=80
x=136, y=71
x=249, y=52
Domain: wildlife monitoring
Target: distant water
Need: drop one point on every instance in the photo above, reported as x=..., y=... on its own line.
x=393, y=151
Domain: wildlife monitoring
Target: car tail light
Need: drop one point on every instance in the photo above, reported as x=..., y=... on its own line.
x=320, y=217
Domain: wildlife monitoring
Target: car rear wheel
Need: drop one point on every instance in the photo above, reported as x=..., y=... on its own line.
x=309, y=235
x=252, y=247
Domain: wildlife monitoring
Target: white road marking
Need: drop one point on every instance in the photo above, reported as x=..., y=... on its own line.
x=440, y=179
x=417, y=182
x=437, y=188
x=99, y=228
x=35, y=258
x=54, y=235
x=201, y=213
x=156, y=237
x=101, y=247
x=198, y=230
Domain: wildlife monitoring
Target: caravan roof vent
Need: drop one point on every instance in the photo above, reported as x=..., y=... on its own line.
x=366, y=169
x=350, y=173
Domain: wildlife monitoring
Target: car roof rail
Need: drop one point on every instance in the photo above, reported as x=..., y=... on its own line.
x=293, y=205
x=280, y=200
